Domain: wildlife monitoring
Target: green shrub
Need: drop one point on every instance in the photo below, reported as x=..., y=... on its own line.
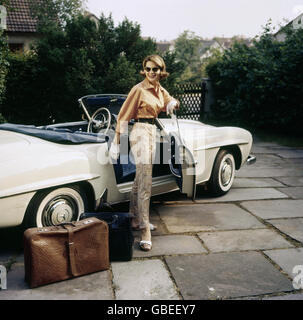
x=22, y=98
x=2, y=119
x=261, y=85
x=3, y=63
x=65, y=64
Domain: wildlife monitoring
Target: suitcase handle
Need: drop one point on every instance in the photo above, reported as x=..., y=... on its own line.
x=115, y=218
x=67, y=224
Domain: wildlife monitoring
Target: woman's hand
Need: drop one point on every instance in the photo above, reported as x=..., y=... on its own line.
x=114, y=148
x=171, y=106
x=114, y=151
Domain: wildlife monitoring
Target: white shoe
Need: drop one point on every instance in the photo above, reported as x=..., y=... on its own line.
x=145, y=245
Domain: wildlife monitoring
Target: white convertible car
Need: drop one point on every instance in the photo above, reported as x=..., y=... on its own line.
x=52, y=174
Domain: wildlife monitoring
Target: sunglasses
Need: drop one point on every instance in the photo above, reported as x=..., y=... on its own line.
x=155, y=69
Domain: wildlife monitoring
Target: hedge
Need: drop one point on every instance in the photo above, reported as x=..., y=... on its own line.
x=261, y=86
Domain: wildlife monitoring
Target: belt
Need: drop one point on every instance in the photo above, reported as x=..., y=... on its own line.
x=146, y=120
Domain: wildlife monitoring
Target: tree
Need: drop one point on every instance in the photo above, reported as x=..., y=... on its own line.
x=70, y=62
x=188, y=50
x=124, y=40
x=261, y=85
x=55, y=11
x=121, y=76
x=176, y=69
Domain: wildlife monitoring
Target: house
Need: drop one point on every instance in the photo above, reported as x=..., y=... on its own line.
x=207, y=46
x=221, y=44
x=164, y=46
x=296, y=23
x=21, y=28
x=92, y=17
x=3, y=14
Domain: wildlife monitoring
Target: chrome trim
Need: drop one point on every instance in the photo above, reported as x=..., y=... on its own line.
x=84, y=109
x=251, y=159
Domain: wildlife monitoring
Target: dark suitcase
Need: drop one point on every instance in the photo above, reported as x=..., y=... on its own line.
x=65, y=251
x=121, y=237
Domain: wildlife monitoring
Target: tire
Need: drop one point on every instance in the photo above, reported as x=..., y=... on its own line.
x=223, y=173
x=54, y=206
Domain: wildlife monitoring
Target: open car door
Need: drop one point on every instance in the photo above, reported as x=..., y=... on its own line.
x=182, y=166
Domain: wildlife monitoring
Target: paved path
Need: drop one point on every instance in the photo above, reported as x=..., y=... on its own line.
x=244, y=245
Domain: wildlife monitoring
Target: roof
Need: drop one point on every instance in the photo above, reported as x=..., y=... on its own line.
x=163, y=46
x=19, y=18
x=296, y=23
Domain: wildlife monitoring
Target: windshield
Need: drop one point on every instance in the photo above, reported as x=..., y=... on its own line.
x=112, y=102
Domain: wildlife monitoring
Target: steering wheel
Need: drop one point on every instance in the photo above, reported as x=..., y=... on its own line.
x=100, y=120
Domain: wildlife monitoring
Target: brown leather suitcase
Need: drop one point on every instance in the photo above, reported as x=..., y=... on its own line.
x=65, y=251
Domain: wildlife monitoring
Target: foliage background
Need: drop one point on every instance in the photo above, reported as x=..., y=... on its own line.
x=74, y=58
x=258, y=86
x=261, y=86
x=3, y=68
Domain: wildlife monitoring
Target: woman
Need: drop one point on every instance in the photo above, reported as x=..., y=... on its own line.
x=144, y=102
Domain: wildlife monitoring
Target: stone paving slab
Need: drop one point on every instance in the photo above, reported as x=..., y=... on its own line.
x=206, y=217
x=291, y=153
x=279, y=296
x=241, y=194
x=256, y=183
x=143, y=280
x=95, y=286
x=271, y=209
x=296, y=296
x=155, y=219
x=292, y=181
x=287, y=259
x=277, y=150
x=226, y=275
x=6, y=256
x=298, y=162
x=293, y=192
x=291, y=227
x=254, y=172
x=240, y=240
x=169, y=245
x=267, y=161
x=263, y=149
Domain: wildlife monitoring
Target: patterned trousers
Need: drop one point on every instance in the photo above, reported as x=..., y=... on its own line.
x=143, y=148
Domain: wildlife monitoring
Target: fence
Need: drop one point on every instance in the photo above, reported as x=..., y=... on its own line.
x=195, y=99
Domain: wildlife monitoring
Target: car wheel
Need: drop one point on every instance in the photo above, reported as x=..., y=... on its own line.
x=55, y=206
x=223, y=173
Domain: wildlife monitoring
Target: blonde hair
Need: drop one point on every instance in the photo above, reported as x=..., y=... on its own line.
x=159, y=62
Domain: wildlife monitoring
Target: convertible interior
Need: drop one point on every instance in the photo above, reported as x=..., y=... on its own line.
x=101, y=113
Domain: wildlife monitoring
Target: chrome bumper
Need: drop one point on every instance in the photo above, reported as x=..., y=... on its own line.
x=251, y=159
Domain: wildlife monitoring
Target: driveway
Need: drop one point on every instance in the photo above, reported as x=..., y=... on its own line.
x=244, y=245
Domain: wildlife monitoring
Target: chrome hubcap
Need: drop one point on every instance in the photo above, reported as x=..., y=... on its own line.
x=226, y=172
x=59, y=210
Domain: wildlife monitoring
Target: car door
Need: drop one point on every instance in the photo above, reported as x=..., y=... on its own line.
x=183, y=167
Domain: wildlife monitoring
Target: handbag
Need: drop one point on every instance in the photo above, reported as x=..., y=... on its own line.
x=121, y=237
x=65, y=251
